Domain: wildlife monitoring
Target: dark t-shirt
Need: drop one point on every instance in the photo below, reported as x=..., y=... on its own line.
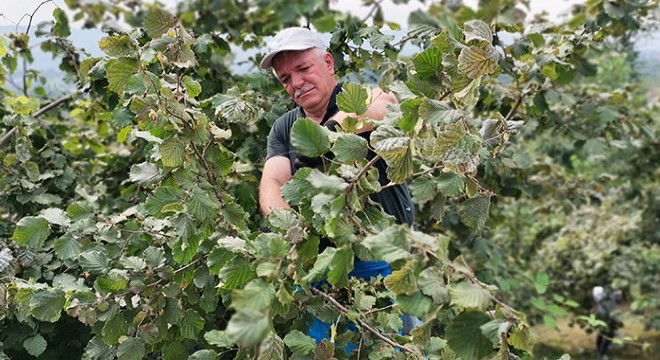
x=395, y=200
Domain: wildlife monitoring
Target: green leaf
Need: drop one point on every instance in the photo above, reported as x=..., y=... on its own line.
x=272, y=348
x=144, y=173
x=467, y=295
x=157, y=22
x=428, y=63
x=423, y=188
x=174, y=351
x=35, y=345
x=191, y=324
x=440, y=112
x=94, y=262
x=47, y=305
x=131, y=349
x=451, y=184
x=350, y=147
x=340, y=265
x=476, y=62
x=202, y=204
x=219, y=338
x=282, y=219
x=541, y=283
x=256, y=295
x=113, y=282
x=162, y=197
x=321, y=265
x=193, y=87
x=299, y=343
x=119, y=72
x=465, y=338
x=55, y=216
x=324, y=24
x=61, y=27
x=468, y=95
x=432, y=283
x=247, y=328
x=203, y=355
x=236, y=273
x=613, y=10
x=97, y=349
x=330, y=184
x=522, y=338
x=394, y=147
x=404, y=280
x=353, y=99
x=309, y=138
x=416, y=304
x=114, y=328
x=389, y=245
x=495, y=329
x=117, y=46
x=172, y=151
x=31, y=231
x=474, y=211
x=477, y=30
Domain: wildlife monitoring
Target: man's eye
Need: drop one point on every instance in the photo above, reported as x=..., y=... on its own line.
x=304, y=69
x=284, y=80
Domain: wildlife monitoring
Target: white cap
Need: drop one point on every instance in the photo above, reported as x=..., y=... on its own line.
x=293, y=38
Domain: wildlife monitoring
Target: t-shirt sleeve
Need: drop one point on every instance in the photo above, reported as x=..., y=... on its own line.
x=277, y=142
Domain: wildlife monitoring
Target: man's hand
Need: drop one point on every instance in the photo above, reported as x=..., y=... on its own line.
x=277, y=171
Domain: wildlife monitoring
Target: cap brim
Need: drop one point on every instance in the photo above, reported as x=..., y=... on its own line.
x=268, y=59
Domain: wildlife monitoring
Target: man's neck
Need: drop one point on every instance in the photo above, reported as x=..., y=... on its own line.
x=317, y=115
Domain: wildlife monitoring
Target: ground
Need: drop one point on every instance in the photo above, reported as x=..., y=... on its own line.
x=575, y=341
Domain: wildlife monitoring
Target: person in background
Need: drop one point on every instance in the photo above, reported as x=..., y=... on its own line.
x=605, y=301
x=301, y=63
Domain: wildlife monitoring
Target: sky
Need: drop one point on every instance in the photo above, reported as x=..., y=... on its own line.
x=12, y=11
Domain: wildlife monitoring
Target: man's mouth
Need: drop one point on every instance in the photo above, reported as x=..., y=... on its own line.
x=300, y=92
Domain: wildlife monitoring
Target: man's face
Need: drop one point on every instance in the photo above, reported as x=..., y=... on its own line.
x=308, y=77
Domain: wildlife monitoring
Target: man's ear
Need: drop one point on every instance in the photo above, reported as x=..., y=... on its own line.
x=329, y=62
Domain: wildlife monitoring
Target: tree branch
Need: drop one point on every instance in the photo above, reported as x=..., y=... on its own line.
x=6, y=137
x=362, y=323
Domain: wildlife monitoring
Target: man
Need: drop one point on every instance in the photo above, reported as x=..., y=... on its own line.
x=306, y=70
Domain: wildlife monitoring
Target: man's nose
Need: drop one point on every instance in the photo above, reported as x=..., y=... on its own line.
x=297, y=81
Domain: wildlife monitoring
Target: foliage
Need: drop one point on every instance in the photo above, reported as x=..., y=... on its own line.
x=130, y=211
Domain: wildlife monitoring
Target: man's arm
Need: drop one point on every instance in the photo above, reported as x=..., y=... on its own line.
x=376, y=110
x=277, y=171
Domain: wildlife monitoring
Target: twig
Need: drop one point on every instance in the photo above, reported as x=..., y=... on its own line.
x=373, y=9
x=366, y=168
x=5, y=138
x=362, y=323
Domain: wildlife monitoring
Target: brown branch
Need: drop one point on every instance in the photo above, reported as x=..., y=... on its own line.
x=373, y=9
x=366, y=168
x=519, y=101
x=362, y=323
x=6, y=137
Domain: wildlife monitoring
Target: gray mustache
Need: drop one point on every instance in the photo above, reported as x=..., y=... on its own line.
x=303, y=90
